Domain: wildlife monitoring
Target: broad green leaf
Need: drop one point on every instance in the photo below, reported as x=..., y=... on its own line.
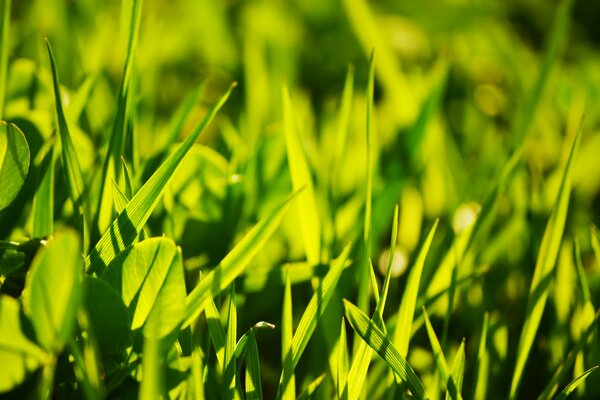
x=451, y=385
x=18, y=353
x=53, y=291
x=4, y=47
x=287, y=337
x=483, y=363
x=108, y=317
x=543, y=270
x=14, y=162
x=406, y=313
x=308, y=213
x=229, y=368
x=149, y=276
x=308, y=321
x=379, y=342
x=342, y=363
x=253, y=383
x=363, y=267
x=574, y=383
x=568, y=361
x=117, y=138
x=234, y=263
x=458, y=368
x=312, y=388
x=128, y=224
x=71, y=165
x=43, y=200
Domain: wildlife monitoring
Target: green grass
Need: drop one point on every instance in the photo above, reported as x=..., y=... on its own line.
x=317, y=200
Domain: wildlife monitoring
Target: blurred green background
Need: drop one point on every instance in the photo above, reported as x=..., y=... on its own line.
x=453, y=99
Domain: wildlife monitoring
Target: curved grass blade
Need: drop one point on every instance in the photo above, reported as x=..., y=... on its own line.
x=451, y=386
x=301, y=178
x=458, y=368
x=70, y=162
x=240, y=347
x=566, y=392
x=234, y=263
x=4, y=53
x=312, y=388
x=253, y=384
x=126, y=227
x=308, y=322
x=543, y=269
x=402, y=333
x=483, y=363
x=43, y=199
x=287, y=337
x=379, y=342
x=342, y=363
x=116, y=141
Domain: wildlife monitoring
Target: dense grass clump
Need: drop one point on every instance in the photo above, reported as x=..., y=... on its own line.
x=334, y=199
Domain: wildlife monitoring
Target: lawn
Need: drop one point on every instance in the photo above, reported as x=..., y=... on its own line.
x=336, y=199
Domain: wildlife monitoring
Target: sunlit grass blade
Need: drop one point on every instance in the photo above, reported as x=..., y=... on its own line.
x=287, y=337
x=43, y=200
x=543, y=269
x=215, y=329
x=406, y=313
x=376, y=339
x=458, y=368
x=116, y=141
x=196, y=376
x=388, y=271
x=240, y=347
x=483, y=363
x=70, y=162
x=373, y=280
x=449, y=382
x=357, y=375
x=342, y=363
x=308, y=213
x=308, y=322
x=312, y=388
x=4, y=38
x=568, y=361
x=229, y=368
x=566, y=392
x=253, y=383
x=363, y=267
x=234, y=262
x=153, y=386
x=129, y=222
x=343, y=122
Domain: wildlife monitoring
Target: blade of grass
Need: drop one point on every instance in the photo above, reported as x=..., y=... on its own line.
x=229, y=368
x=4, y=38
x=363, y=271
x=287, y=337
x=379, y=342
x=240, y=347
x=216, y=331
x=483, y=363
x=374, y=286
x=594, y=239
x=543, y=269
x=234, y=262
x=70, y=162
x=458, y=368
x=343, y=122
x=566, y=392
x=312, y=388
x=442, y=366
x=310, y=317
x=301, y=178
x=388, y=271
x=342, y=363
x=196, y=378
x=125, y=228
x=402, y=333
x=116, y=143
x=253, y=384
x=43, y=199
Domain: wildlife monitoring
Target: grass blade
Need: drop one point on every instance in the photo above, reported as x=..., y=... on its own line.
x=70, y=161
x=116, y=142
x=253, y=385
x=458, y=368
x=566, y=392
x=229, y=368
x=379, y=342
x=308, y=322
x=342, y=363
x=301, y=178
x=451, y=385
x=43, y=200
x=234, y=262
x=4, y=38
x=343, y=122
x=483, y=363
x=126, y=227
x=388, y=271
x=312, y=388
x=543, y=269
x=406, y=313
x=287, y=337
